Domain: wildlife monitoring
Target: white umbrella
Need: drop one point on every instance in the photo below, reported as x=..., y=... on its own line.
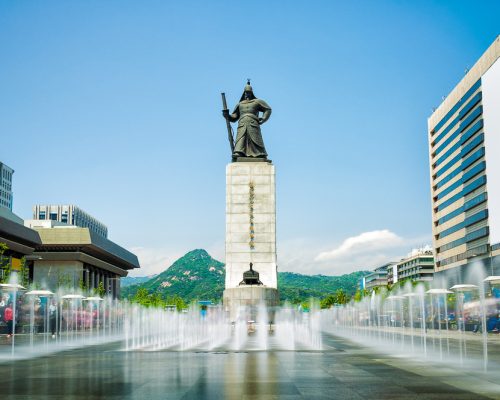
x=492, y=279
x=410, y=294
x=439, y=291
x=11, y=286
x=93, y=299
x=40, y=292
x=464, y=287
x=72, y=296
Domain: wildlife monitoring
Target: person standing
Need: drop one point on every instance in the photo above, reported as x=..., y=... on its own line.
x=8, y=317
x=53, y=318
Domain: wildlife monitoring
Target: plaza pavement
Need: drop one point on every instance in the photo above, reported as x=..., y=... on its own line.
x=342, y=370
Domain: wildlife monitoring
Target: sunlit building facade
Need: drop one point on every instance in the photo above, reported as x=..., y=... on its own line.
x=464, y=143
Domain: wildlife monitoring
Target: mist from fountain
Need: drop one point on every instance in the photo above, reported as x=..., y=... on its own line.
x=433, y=320
x=48, y=322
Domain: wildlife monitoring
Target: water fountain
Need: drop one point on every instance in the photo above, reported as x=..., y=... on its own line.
x=453, y=325
x=412, y=320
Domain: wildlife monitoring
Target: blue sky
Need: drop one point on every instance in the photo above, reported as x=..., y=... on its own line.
x=115, y=106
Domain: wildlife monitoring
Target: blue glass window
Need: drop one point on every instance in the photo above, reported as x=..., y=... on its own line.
x=474, y=171
x=467, y=189
x=478, y=125
x=467, y=238
x=472, y=131
x=472, y=116
x=475, y=201
x=472, y=158
x=472, y=144
x=455, y=108
x=465, y=164
x=470, y=105
x=449, y=189
x=446, y=130
x=447, y=154
x=467, y=222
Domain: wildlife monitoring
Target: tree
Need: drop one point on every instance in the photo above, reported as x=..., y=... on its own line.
x=141, y=297
x=4, y=264
x=24, y=273
x=342, y=297
x=176, y=301
x=358, y=296
x=101, y=291
x=328, y=301
x=81, y=285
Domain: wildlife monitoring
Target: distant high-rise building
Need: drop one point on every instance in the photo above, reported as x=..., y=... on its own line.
x=6, y=186
x=378, y=278
x=71, y=215
x=418, y=266
x=464, y=143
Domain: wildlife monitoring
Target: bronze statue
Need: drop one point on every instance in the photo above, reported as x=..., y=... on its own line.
x=249, y=143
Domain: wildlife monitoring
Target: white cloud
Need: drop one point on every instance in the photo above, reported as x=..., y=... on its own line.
x=365, y=251
x=153, y=260
x=366, y=242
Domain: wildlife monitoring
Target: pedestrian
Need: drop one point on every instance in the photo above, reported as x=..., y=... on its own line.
x=8, y=317
x=53, y=318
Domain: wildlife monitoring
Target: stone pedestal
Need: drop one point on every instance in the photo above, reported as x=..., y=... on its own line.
x=250, y=232
x=247, y=299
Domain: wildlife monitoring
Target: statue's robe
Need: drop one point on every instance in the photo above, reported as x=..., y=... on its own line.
x=249, y=141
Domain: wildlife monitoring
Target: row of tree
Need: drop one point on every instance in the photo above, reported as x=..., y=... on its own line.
x=146, y=299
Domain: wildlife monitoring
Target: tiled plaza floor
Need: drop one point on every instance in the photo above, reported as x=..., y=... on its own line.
x=341, y=371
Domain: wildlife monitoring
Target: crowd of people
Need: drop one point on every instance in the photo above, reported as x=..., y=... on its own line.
x=43, y=315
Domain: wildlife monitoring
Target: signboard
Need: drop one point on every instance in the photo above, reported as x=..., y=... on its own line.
x=491, y=115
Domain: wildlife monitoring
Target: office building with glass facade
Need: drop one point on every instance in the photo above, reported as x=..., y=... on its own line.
x=6, y=186
x=378, y=278
x=418, y=266
x=464, y=141
x=71, y=215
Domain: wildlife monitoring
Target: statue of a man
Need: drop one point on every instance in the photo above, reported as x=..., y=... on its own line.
x=249, y=141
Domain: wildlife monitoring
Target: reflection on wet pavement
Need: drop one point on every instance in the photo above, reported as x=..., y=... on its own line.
x=340, y=371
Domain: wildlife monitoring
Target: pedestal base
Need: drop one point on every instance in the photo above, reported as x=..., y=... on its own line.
x=248, y=298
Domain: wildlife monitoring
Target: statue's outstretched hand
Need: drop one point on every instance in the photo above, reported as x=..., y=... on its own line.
x=225, y=113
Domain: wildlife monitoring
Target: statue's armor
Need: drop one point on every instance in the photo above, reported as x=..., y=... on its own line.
x=249, y=141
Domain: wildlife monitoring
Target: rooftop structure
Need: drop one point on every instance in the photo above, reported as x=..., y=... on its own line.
x=71, y=215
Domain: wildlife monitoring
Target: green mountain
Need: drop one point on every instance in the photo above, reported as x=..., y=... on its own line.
x=297, y=288
x=196, y=275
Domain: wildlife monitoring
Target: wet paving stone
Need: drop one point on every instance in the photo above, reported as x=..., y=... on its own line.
x=105, y=372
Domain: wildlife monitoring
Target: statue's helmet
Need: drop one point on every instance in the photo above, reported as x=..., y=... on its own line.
x=248, y=89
